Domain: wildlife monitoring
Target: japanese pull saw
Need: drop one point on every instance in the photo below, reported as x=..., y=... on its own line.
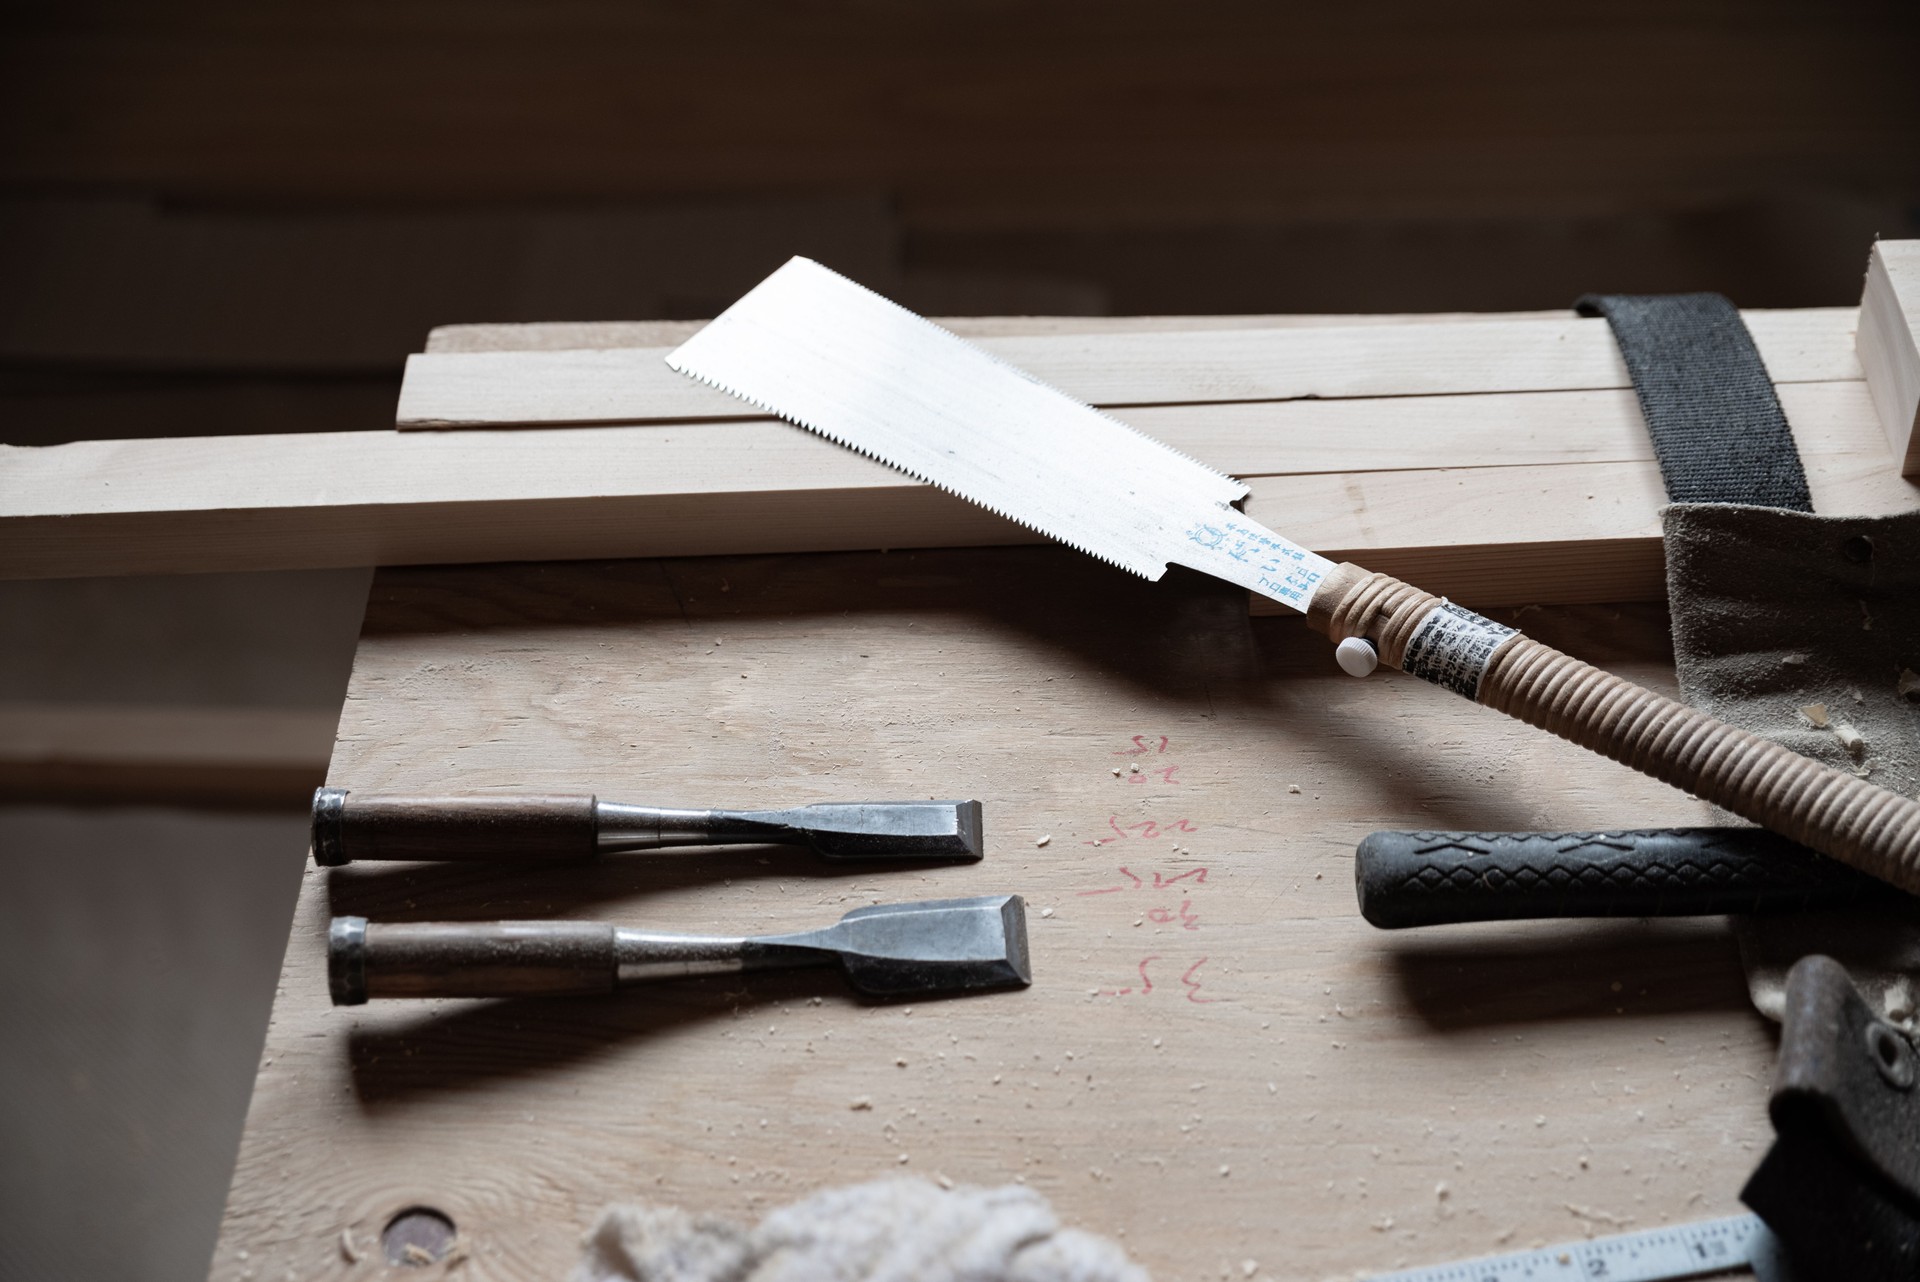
x=822, y=352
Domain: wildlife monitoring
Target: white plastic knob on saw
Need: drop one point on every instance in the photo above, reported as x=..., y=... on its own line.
x=1356, y=656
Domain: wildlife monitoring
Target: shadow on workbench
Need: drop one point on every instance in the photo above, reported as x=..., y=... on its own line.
x=444, y=1051
x=1460, y=979
x=1179, y=638
x=492, y=892
x=1421, y=774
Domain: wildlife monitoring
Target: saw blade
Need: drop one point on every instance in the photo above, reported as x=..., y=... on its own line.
x=820, y=351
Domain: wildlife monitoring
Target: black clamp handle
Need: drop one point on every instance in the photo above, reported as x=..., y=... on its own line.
x=1436, y=878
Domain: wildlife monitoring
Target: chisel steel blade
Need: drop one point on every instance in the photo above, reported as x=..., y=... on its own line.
x=829, y=355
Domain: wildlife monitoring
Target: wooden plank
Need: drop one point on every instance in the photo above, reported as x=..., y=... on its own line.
x=719, y=488
x=1315, y=1096
x=177, y=755
x=1889, y=345
x=551, y=336
x=503, y=389
x=1585, y=533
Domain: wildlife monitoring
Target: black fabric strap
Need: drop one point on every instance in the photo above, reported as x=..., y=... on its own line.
x=1717, y=427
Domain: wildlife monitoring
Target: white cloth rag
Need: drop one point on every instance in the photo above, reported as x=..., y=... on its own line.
x=898, y=1230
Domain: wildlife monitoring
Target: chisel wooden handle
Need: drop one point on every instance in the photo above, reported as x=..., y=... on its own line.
x=561, y=828
x=1438, y=878
x=482, y=959
x=1838, y=814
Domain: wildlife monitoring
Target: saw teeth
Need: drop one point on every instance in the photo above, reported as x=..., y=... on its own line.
x=864, y=452
x=871, y=376
x=1129, y=428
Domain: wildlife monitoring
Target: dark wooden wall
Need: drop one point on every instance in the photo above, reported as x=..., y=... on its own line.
x=1148, y=155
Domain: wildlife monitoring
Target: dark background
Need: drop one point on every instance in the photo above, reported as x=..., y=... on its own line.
x=190, y=188
x=231, y=216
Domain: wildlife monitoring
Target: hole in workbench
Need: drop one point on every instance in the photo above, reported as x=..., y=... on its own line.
x=418, y=1236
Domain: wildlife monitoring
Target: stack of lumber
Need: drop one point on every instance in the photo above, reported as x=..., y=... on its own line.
x=1497, y=459
x=1889, y=328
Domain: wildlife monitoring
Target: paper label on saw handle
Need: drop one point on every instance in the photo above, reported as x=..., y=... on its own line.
x=1452, y=647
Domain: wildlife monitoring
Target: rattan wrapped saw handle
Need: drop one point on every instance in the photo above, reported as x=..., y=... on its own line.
x=1838, y=814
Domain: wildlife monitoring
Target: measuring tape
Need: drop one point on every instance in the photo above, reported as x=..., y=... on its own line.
x=1654, y=1255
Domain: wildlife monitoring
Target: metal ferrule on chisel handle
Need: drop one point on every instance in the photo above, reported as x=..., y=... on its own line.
x=1439, y=878
x=1837, y=814
x=623, y=827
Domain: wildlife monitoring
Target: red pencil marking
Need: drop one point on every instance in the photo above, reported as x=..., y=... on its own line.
x=1137, y=883
x=1146, y=829
x=1142, y=748
x=1146, y=981
x=1184, y=915
x=1193, y=985
x=1160, y=881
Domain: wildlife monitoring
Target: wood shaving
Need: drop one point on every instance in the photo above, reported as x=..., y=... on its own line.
x=1815, y=715
x=1598, y=1216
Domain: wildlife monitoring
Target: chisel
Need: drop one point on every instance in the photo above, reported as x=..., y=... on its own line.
x=571, y=828
x=826, y=354
x=887, y=950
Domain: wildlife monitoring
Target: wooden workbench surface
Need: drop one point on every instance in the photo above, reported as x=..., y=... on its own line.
x=1218, y=1061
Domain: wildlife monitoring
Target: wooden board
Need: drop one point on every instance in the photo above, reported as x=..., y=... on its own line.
x=1889, y=328
x=557, y=336
x=1356, y=479
x=1417, y=358
x=1218, y=1061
